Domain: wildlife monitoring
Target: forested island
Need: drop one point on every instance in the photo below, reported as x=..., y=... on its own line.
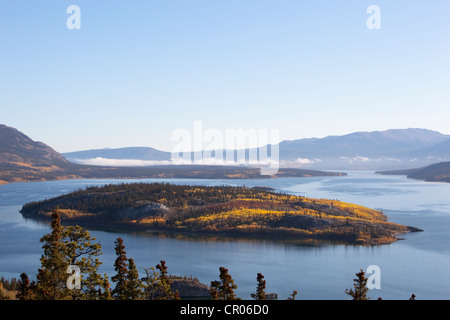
x=219, y=210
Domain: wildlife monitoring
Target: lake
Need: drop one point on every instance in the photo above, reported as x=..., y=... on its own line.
x=418, y=264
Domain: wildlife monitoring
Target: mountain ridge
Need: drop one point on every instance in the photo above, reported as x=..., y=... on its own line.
x=23, y=159
x=378, y=150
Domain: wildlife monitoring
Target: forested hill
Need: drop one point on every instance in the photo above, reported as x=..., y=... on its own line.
x=220, y=210
x=23, y=159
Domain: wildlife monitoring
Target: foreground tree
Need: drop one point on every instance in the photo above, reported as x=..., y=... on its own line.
x=150, y=282
x=360, y=289
x=260, y=288
x=64, y=247
x=163, y=284
x=293, y=295
x=26, y=289
x=105, y=290
x=224, y=288
x=158, y=285
x=121, y=268
x=133, y=288
x=3, y=295
x=82, y=251
x=52, y=276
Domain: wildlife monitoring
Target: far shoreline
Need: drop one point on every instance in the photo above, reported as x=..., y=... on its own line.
x=256, y=177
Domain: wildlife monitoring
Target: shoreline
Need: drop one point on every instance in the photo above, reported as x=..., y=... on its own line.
x=230, y=235
x=160, y=176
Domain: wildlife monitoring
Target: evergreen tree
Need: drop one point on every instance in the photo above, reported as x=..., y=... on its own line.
x=65, y=246
x=224, y=288
x=106, y=294
x=213, y=292
x=25, y=288
x=292, y=295
x=158, y=285
x=82, y=251
x=121, y=267
x=260, y=289
x=360, y=289
x=150, y=283
x=3, y=295
x=133, y=285
x=163, y=284
x=52, y=275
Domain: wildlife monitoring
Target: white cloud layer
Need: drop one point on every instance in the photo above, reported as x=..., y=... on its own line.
x=99, y=161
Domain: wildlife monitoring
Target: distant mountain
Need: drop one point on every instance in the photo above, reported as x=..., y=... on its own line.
x=439, y=150
x=22, y=159
x=365, y=150
x=437, y=172
x=379, y=150
x=388, y=143
x=16, y=149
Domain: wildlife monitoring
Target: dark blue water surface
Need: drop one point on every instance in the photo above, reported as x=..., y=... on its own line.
x=419, y=264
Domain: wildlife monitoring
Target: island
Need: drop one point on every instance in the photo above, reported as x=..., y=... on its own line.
x=232, y=211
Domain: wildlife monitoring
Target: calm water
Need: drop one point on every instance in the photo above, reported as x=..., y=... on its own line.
x=419, y=264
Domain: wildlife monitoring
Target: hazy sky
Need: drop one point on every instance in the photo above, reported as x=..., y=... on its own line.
x=138, y=70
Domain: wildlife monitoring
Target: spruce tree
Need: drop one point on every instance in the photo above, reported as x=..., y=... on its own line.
x=52, y=276
x=213, y=292
x=293, y=295
x=260, y=289
x=106, y=294
x=65, y=246
x=360, y=289
x=150, y=283
x=157, y=285
x=25, y=288
x=224, y=288
x=82, y=251
x=163, y=284
x=133, y=285
x=121, y=268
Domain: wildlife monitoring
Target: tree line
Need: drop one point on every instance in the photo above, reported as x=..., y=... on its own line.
x=74, y=246
x=109, y=198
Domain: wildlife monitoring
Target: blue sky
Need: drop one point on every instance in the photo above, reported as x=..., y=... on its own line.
x=138, y=70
